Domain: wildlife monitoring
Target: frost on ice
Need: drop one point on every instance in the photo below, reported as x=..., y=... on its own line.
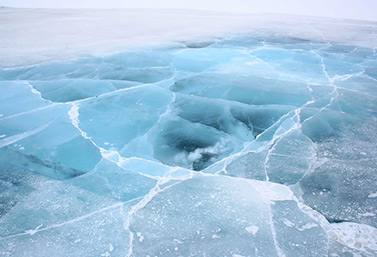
x=246, y=145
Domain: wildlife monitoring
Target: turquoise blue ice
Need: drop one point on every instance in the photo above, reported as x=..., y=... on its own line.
x=242, y=146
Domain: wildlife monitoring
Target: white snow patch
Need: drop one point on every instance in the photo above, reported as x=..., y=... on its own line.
x=308, y=226
x=252, y=229
x=33, y=231
x=368, y=214
x=357, y=236
x=288, y=223
x=141, y=237
x=272, y=191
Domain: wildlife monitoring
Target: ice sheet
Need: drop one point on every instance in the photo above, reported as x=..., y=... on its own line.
x=250, y=136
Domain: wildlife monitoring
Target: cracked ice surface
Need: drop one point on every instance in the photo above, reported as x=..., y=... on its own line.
x=245, y=145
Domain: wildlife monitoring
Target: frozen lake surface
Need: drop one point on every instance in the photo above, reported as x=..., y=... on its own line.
x=182, y=133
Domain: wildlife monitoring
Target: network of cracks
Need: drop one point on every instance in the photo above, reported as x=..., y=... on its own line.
x=242, y=146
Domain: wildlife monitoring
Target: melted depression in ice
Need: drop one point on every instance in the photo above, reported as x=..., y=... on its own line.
x=245, y=146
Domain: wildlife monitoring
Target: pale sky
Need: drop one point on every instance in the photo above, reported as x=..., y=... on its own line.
x=352, y=9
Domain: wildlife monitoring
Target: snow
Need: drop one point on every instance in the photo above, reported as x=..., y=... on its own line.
x=34, y=35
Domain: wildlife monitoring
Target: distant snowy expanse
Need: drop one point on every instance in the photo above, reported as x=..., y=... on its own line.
x=186, y=133
x=346, y=9
x=34, y=35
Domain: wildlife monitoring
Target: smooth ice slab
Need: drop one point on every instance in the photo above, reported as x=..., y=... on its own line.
x=223, y=216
